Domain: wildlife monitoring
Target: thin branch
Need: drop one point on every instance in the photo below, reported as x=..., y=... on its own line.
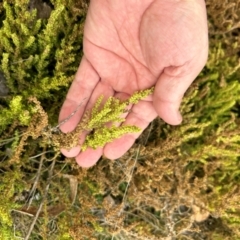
x=129, y=180
x=20, y=61
x=42, y=202
x=149, y=132
x=54, y=129
x=32, y=192
x=131, y=174
x=133, y=167
x=8, y=140
x=22, y=212
x=40, y=154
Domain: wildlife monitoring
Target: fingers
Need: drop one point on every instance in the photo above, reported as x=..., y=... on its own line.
x=80, y=92
x=167, y=98
x=140, y=115
x=171, y=87
x=89, y=157
x=100, y=89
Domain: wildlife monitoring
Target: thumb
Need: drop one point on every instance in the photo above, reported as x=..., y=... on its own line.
x=169, y=91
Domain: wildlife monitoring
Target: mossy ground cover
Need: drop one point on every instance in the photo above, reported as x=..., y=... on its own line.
x=175, y=182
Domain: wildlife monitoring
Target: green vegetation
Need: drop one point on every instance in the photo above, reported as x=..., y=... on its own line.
x=177, y=182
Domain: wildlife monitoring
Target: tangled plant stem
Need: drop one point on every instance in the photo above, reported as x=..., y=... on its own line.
x=96, y=120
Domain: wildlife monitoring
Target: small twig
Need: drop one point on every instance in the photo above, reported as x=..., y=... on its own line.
x=14, y=230
x=19, y=61
x=42, y=202
x=32, y=192
x=131, y=174
x=144, y=218
x=22, y=212
x=149, y=132
x=54, y=129
x=57, y=173
x=8, y=140
x=132, y=170
x=40, y=154
x=129, y=180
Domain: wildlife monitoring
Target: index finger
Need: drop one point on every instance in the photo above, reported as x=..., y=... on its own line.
x=80, y=92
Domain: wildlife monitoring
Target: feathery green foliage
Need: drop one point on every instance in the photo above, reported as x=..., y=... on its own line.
x=110, y=114
x=33, y=53
x=105, y=135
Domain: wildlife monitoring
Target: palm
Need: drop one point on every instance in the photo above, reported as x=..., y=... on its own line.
x=133, y=45
x=115, y=51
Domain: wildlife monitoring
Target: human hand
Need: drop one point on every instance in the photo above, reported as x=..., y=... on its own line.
x=132, y=45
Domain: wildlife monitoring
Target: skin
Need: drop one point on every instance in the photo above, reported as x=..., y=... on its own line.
x=131, y=45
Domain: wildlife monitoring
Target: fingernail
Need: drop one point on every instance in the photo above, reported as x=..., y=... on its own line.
x=178, y=117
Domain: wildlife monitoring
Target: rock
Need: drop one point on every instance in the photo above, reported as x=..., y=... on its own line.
x=3, y=86
x=43, y=9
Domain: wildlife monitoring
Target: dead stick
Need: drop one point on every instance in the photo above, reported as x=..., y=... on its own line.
x=42, y=202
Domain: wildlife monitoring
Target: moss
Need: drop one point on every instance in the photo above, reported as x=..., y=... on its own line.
x=110, y=114
x=39, y=66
